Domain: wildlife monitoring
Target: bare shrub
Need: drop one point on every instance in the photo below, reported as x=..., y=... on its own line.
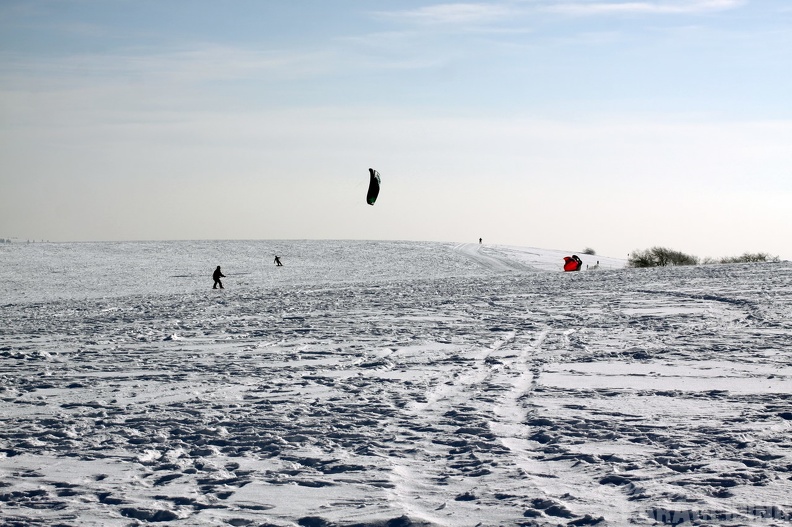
x=660, y=257
x=589, y=250
x=746, y=258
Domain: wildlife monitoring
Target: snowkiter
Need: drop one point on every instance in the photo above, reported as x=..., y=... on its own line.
x=217, y=275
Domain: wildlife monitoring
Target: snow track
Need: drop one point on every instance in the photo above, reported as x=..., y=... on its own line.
x=493, y=262
x=497, y=398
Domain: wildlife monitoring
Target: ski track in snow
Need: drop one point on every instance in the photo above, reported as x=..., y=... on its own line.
x=461, y=385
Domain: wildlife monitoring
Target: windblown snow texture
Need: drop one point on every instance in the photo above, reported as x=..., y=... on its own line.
x=458, y=386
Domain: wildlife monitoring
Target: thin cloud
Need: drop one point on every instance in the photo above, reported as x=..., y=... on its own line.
x=451, y=14
x=648, y=8
x=201, y=63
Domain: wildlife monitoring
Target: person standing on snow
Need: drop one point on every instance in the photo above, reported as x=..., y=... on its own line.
x=277, y=261
x=217, y=275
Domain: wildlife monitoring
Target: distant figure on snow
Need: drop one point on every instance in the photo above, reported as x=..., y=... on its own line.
x=277, y=261
x=479, y=241
x=217, y=275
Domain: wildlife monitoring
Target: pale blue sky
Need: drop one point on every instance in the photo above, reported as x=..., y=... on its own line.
x=655, y=122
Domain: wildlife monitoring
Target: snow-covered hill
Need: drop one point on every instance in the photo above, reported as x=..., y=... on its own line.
x=389, y=383
x=48, y=271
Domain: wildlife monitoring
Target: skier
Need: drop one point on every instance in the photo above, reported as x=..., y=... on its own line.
x=217, y=275
x=277, y=261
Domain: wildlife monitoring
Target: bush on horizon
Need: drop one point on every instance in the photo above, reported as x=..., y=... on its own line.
x=590, y=251
x=744, y=258
x=660, y=257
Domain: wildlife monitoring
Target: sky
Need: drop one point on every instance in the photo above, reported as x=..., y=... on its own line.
x=561, y=124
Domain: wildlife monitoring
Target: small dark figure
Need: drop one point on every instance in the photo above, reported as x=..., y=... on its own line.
x=277, y=261
x=217, y=275
x=479, y=241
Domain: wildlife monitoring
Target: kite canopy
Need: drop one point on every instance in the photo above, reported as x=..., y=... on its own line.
x=374, y=186
x=572, y=263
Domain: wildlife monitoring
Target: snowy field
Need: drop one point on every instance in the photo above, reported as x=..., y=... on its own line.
x=389, y=384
